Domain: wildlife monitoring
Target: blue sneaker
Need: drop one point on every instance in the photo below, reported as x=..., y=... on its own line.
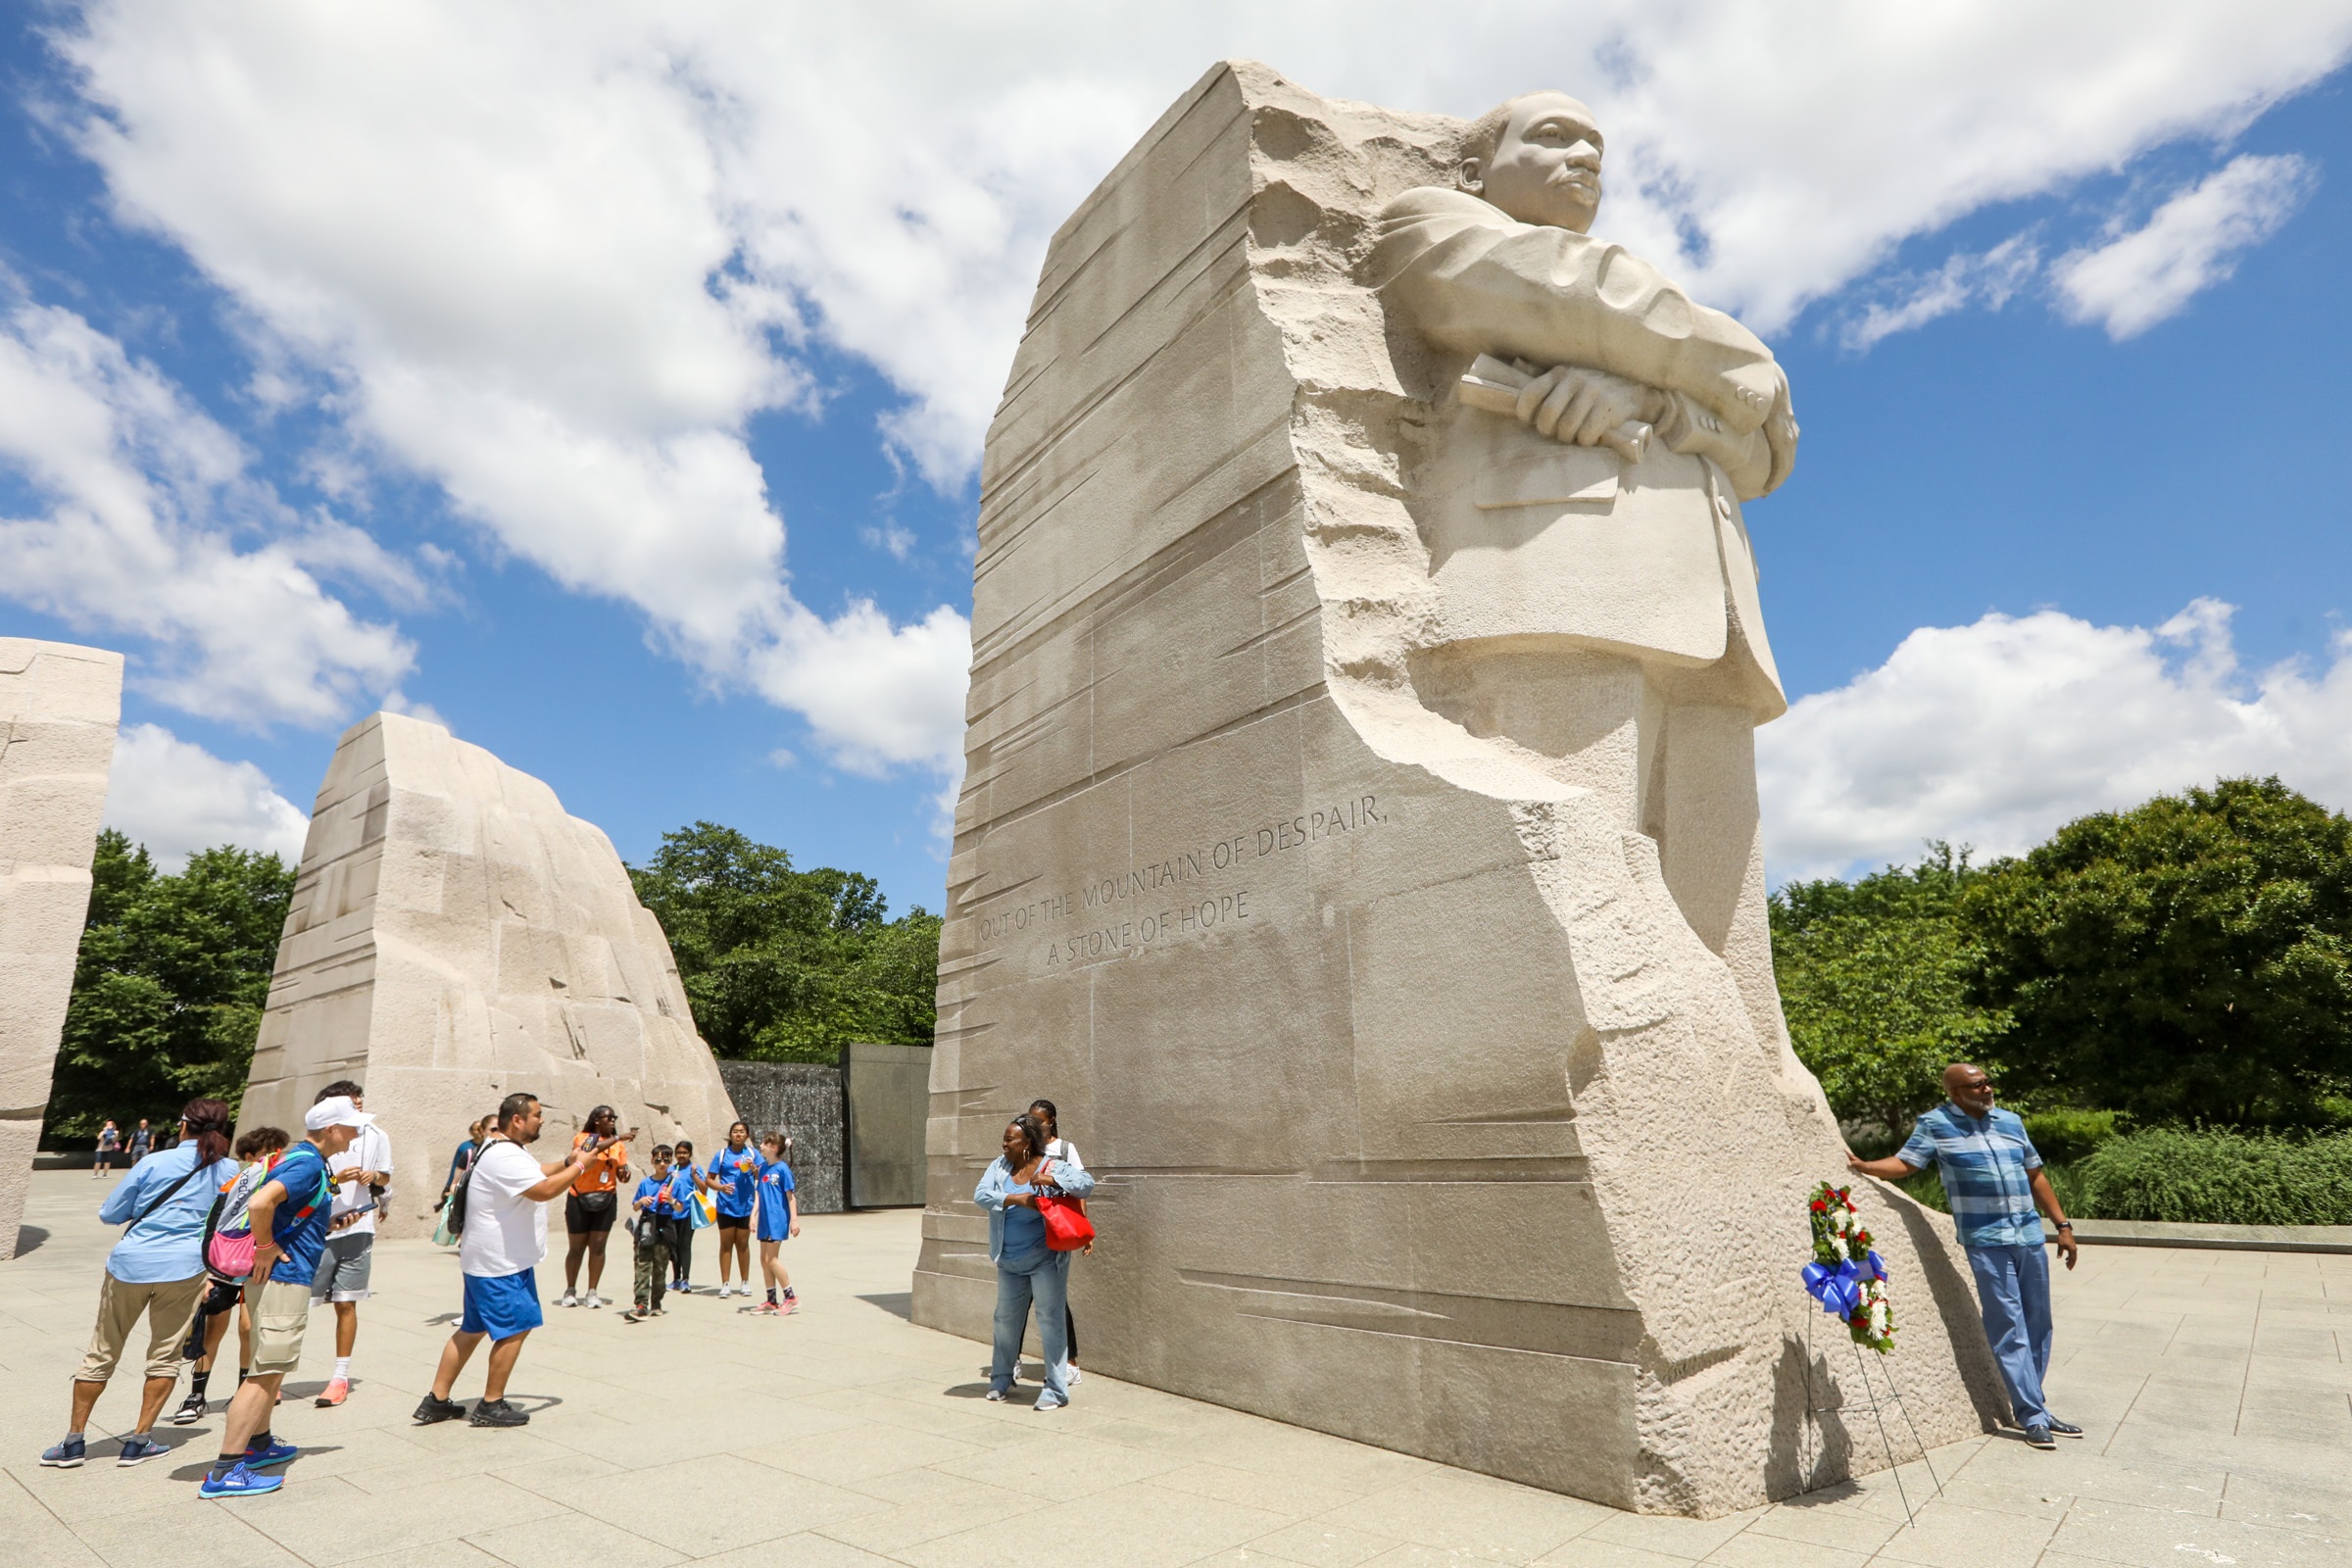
x=66, y=1456
x=138, y=1450
x=240, y=1482
x=275, y=1453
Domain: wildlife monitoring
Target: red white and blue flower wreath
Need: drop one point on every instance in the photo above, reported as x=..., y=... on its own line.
x=1846, y=1277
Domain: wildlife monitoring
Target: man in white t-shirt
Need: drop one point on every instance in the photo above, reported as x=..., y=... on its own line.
x=503, y=1237
x=360, y=1172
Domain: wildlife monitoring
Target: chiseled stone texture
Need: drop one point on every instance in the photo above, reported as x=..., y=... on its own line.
x=454, y=937
x=1423, y=1113
x=59, y=706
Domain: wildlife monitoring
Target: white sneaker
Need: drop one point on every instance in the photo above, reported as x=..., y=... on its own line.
x=592, y=1300
x=570, y=1299
x=1071, y=1376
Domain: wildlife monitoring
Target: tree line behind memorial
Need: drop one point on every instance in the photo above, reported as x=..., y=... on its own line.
x=779, y=964
x=2166, y=992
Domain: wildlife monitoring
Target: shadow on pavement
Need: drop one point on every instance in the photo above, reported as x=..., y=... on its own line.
x=30, y=1236
x=900, y=1305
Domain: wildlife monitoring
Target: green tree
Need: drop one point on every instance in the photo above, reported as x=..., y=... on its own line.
x=2190, y=959
x=170, y=985
x=1874, y=978
x=787, y=966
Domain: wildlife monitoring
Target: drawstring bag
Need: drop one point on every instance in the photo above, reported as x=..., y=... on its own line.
x=228, y=1229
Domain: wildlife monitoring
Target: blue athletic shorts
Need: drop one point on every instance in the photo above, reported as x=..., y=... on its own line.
x=502, y=1306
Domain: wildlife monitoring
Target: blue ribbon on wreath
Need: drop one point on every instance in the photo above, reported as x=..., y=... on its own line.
x=1838, y=1290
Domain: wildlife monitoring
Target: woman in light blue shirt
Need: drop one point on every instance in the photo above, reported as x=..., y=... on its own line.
x=156, y=1271
x=1028, y=1271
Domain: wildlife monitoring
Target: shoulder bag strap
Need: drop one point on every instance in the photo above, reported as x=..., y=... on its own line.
x=186, y=1177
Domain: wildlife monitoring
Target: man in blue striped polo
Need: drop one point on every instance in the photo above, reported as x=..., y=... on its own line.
x=1992, y=1174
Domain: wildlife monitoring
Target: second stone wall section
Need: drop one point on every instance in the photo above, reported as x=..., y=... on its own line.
x=804, y=1100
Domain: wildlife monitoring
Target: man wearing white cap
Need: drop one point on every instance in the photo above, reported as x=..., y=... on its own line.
x=290, y=1213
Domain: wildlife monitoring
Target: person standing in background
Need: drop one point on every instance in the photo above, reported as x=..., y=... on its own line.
x=778, y=1219
x=142, y=1141
x=1063, y=1153
x=499, y=1243
x=734, y=1180
x=690, y=1182
x=594, y=1203
x=156, y=1270
x=110, y=1140
x=363, y=1175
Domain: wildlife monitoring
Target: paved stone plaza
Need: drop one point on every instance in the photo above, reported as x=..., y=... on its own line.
x=2215, y=1387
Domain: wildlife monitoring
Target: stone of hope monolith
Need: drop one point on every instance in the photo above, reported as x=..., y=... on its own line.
x=59, y=706
x=1360, y=833
x=456, y=936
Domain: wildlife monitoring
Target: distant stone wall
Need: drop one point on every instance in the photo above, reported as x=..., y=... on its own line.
x=803, y=1098
x=889, y=1094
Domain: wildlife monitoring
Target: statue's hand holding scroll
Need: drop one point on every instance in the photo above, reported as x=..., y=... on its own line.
x=1569, y=403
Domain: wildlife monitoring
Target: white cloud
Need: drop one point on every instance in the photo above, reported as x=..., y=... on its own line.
x=1991, y=278
x=176, y=797
x=144, y=498
x=553, y=256
x=2191, y=242
x=1996, y=733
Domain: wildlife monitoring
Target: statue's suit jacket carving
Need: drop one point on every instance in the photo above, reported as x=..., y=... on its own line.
x=1529, y=536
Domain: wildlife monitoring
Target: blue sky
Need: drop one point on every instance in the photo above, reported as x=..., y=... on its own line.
x=601, y=387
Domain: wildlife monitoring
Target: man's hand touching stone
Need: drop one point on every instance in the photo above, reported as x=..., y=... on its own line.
x=1592, y=408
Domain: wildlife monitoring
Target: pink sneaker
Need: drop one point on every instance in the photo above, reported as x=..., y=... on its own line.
x=335, y=1392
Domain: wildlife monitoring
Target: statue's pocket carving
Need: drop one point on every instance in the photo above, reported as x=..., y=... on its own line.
x=1550, y=475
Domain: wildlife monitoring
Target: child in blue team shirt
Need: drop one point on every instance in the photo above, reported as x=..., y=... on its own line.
x=779, y=1217
x=734, y=1180
x=690, y=1181
x=658, y=1212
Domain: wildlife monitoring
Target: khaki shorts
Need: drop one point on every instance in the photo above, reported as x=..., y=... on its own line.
x=280, y=1313
x=171, y=1310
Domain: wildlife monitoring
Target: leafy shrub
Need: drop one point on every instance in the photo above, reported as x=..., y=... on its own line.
x=2216, y=1177
x=2066, y=1136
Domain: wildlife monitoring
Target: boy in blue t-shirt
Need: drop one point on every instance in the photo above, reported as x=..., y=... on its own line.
x=658, y=1214
x=291, y=1209
x=779, y=1217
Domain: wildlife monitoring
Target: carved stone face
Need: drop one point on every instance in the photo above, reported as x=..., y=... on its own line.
x=1547, y=168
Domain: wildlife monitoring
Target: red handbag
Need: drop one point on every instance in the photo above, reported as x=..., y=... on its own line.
x=1067, y=1228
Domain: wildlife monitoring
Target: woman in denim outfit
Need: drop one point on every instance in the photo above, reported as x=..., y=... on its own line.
x=1028, y=1271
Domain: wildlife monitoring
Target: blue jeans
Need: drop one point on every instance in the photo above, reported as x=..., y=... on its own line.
x=2013, y=1288
x=1041, y=1278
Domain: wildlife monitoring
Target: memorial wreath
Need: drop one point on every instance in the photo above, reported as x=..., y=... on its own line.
x=1847, y=1276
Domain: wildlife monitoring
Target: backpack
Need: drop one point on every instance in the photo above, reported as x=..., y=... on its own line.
x=453, y=1220
x=228, y=1230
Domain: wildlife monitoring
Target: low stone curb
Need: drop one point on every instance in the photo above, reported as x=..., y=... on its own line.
x=2217, y=1238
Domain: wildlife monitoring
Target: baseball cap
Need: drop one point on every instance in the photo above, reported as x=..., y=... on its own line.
x=336, y=1110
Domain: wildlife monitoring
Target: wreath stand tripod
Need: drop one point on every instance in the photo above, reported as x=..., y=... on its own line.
x=1877, y=1415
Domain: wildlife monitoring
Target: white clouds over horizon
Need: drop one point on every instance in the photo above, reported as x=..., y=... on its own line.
x=554, y=258
x=176, y=797
x=1996, y=733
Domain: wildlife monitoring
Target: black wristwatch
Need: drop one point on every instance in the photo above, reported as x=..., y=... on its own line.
x=2066, y=1224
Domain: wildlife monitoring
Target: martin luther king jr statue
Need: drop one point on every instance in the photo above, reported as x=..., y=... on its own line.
x=1597, y=596
x=1358, y=835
